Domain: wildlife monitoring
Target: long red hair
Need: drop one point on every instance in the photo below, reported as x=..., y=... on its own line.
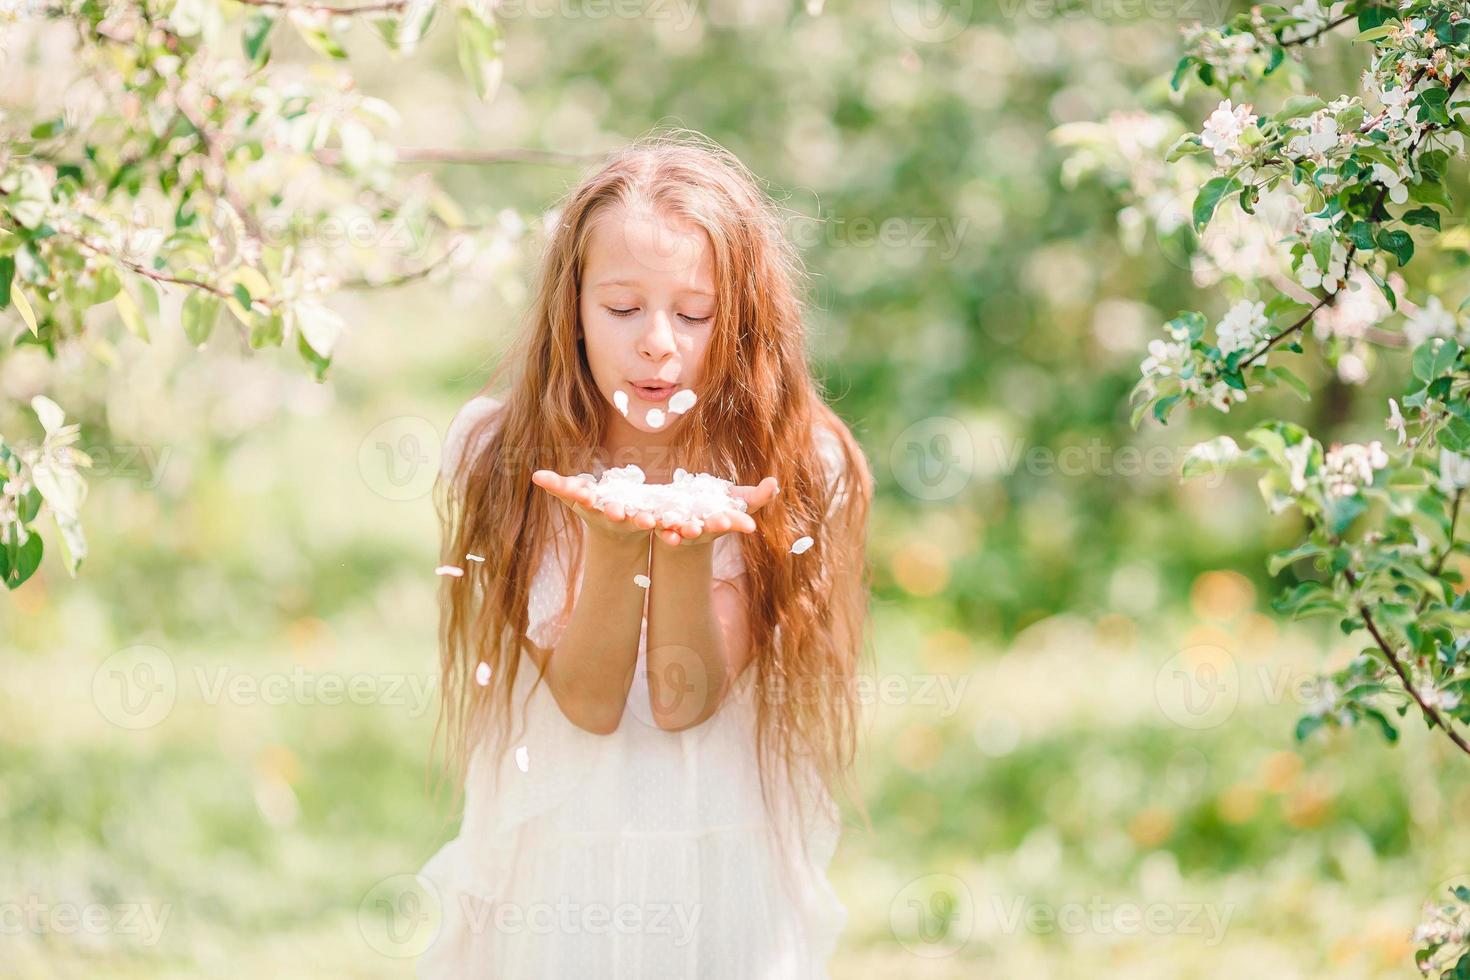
x=756, y=417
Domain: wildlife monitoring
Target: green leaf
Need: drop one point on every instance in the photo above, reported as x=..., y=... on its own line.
x=1384, y=725
x=1295, y=383
x=1398, y=243
x=1322, y=248
x=132, y=317
x=1433, y=357
x=1431, y=192
x=1281, y=559
x=256, y=37
x=199, y=315
x=23, y=307
x=7, y=273
x=1361, y=234
x=1375, y=33
x=1372, y=16
x=479, y=46
x=1432, y=104
x=1184, y=146
x=1297, y=106
x=1215, y=190
x=1180, y=70
x=1306, y=725
x=318, y=39
x=23, y=560
x=1342, y=511
x=1428, y=217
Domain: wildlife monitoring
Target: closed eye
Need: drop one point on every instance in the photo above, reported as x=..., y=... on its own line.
x=630, y=312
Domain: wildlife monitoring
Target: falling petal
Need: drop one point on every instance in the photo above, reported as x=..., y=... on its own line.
x=682, y=401
x=454, y=570
x=801, y=544
x=482, y=674
x=642, y=581
x=475, y=557
x=523, y=761
x=620, y=399
x=656, y=418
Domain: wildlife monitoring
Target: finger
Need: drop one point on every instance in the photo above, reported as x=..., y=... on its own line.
x=644, y=520
x=759, y=495
x=719, y=523
x=670, y=536
x=614, y=510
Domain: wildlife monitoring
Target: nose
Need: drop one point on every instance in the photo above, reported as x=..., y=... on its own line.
x=657, y=341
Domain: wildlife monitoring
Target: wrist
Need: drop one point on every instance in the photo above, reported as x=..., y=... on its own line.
x=621, y=547
x=691, y=551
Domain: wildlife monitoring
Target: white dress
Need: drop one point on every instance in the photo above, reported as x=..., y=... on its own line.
x=640, y=855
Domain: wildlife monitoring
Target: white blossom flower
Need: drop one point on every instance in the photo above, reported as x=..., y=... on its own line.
x=1222, y=396
x=1297, y=456
x=1348, y=467
x=1330, y=279
x=1326, y=699
x=1429, y=320
x=1223, y=129
x=1164, y=358
x=1360, y=306
x=1395, y=421
x=1314, y=19
x=1398, y=191
x=1454, y=471
x=1352, y=369
x=1435, y=698
x=1321, y=136
x=1241, y=327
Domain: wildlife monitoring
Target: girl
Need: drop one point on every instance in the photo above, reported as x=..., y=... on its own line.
x=649, y=764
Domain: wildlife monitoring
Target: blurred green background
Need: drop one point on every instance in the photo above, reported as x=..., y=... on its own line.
x=1079, y=760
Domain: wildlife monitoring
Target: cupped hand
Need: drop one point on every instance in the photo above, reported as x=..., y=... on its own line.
x=611, y=520
x=717, y=525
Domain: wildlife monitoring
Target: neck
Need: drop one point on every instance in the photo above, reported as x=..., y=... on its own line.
x=626, y=445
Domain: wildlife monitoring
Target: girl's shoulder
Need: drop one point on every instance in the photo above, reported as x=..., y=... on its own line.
x=465, y=422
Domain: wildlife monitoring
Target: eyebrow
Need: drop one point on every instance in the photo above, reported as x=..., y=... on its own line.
x=635, y=284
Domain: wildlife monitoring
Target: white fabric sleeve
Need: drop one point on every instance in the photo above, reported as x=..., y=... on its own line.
x=461, y=426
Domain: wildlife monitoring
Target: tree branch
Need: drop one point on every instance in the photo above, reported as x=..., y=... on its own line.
x=1318, y=32
x=1429, y=710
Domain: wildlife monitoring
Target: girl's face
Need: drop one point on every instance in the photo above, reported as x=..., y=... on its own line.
x=647, y=310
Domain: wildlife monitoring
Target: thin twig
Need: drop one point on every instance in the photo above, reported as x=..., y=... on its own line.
x=1317, y=33
x=331, y=156
x=1429, y=710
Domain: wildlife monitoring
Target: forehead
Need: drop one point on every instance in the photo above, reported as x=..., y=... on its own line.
x=645, y=249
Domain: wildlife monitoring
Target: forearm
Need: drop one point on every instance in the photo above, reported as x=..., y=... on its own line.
x=687, y=672
x=591, y=670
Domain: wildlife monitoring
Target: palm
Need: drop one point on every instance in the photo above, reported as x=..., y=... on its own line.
x=576, y=493
x=712, y=527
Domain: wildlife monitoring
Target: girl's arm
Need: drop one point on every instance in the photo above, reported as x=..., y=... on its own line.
x=591, y=669
x=698, y=634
